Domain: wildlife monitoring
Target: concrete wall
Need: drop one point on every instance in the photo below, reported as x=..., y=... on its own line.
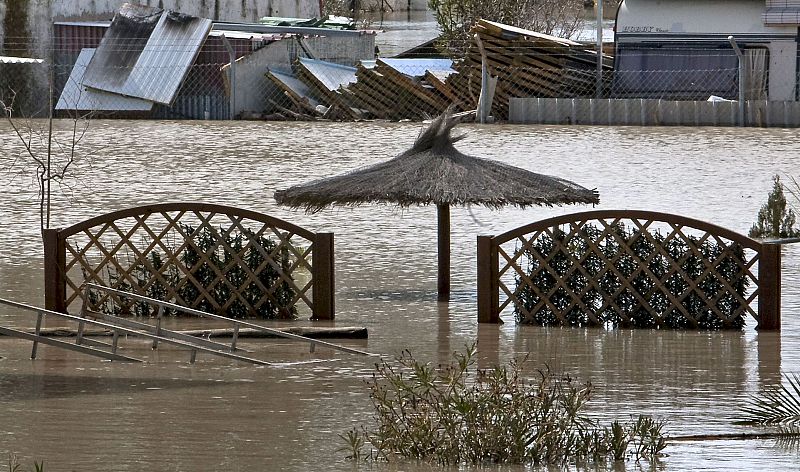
x=642, y=112
x=32, y=19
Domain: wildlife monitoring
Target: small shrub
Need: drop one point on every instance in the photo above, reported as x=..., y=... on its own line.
x=775, y=220
x=456, y=414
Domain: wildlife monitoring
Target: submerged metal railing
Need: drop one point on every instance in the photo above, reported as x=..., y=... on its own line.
x=94, y=347
x=122, y=326
x=236, y=324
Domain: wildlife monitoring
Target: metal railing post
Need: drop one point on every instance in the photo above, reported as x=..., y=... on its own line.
x=599, y=86
x=37, y=331
x=740, y=57
x=232, y=58
x=159, y=317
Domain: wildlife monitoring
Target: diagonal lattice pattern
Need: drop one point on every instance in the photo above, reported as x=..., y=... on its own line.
x=209, y=260
x=628, y=272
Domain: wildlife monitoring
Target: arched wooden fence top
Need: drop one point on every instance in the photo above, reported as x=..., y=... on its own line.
x=185, y=207
x=586, y=268
x=216, y=258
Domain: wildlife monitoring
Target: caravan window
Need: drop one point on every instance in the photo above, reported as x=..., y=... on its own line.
x=675, y=73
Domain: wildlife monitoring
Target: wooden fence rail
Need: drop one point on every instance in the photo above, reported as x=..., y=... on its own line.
x=629, y=268
x=214, y=258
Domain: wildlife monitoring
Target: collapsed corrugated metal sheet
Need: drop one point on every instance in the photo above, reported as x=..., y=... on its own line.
x=399, y=88
x=78, y=97
x=295, y=90
x=417, y=67
x=19, y=60
x=331, y=75
x=327, y=80
x=146, y=53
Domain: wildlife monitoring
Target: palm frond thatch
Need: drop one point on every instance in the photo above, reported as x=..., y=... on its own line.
x=434, y=172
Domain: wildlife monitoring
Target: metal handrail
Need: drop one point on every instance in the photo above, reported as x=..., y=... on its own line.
x=41, y=312
x=236, y=323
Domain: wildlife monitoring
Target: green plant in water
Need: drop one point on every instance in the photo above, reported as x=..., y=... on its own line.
x=14, y=464
x=775, y=220
x=777, y=405
x=456, y=414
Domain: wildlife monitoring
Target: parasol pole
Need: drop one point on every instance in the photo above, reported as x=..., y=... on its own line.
x=443, y=216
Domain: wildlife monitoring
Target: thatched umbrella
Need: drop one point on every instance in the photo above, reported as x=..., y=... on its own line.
x=434, y=172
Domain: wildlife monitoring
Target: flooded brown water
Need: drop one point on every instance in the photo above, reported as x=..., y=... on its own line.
x=79, y=413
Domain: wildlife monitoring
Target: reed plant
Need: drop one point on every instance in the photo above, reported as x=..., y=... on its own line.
x=456, y=414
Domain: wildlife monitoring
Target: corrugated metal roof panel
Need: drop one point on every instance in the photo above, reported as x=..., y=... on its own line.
x=20, y=60
x=331, y=75
x=295, y=85
x=418, y=67
x=143, y=58
x=290, y=29
x=781, y=16
x=77, y=97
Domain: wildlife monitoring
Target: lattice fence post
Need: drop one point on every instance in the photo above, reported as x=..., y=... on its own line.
x=55, y=289
x=769, y=288
x=488, y=269
x=323, y=280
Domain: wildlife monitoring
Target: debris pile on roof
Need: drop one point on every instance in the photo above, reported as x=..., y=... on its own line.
x=527, y=64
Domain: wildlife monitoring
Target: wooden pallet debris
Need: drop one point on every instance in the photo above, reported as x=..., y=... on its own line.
x=527, y=64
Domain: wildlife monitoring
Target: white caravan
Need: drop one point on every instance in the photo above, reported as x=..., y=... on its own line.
x=680, y=49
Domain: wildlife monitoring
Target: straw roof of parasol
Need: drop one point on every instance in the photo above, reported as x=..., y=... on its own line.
x=434, y=172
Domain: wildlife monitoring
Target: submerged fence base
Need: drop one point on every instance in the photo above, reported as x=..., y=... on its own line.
x=651, y=112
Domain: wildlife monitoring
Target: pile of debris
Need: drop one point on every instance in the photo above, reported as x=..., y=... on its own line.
x=525, y=63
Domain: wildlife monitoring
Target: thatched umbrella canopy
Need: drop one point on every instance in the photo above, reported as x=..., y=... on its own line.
x=434, y=172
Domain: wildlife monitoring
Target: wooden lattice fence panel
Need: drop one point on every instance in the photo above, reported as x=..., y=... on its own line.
x=628, y=269
x=213, y=258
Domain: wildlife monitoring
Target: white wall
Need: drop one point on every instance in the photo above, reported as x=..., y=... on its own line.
x=222, y=10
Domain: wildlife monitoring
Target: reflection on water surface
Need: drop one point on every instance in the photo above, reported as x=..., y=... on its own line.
x=84, y=414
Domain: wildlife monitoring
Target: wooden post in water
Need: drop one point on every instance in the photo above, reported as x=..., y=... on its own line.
x=323, y=280
x=55, y=290
x=443, y=217
x=769, y=288
x=487, y=281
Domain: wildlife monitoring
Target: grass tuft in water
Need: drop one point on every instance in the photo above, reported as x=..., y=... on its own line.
x=456, y=414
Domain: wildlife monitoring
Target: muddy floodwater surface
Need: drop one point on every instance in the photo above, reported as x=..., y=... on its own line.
x=80, y=413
